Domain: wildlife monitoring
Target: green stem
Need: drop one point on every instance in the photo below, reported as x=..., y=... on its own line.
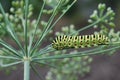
x=61, y=16
x=9, y=57
x=78, y=54
x=26, y=25
x=10, y=29
x=45, y=63
x=45, y=29
x=47, y=49
x=9, y=64
x=36, y=72
x=91, y=25
x=8, y=47
x=38, y=20
x=26, y=70
x=86, y=27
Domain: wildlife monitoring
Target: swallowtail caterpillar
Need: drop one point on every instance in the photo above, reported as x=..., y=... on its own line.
x=64, y=41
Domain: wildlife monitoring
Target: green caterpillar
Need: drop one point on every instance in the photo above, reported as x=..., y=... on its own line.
x=64, y=42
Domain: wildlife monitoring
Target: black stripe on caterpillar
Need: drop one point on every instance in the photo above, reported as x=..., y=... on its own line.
x=64, y=42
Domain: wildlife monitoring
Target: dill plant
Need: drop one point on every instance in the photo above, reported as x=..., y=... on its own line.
x=28, y=37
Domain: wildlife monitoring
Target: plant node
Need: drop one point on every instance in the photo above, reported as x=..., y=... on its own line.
x=25, y=58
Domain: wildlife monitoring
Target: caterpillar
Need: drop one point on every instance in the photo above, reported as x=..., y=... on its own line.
x=64, y=41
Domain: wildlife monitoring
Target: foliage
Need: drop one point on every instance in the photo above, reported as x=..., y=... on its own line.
x=69, y=68
x=15, y=17
x=29, y=34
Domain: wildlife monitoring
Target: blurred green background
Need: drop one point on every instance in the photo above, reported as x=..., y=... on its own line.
x=79, y=13
x=103, y=67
